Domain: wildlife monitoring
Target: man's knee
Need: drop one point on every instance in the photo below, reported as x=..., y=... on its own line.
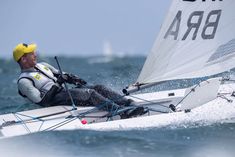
x=91, y=91
x=84, y=94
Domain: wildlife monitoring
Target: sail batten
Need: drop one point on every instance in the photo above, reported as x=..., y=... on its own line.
x=196, y=39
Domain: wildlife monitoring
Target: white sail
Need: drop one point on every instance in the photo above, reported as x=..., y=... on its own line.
x=107, y=49
x=196, y=39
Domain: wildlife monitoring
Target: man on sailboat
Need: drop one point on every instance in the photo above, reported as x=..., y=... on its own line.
x=42, y=84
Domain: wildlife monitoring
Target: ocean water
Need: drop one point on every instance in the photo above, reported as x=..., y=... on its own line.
x=197, y=140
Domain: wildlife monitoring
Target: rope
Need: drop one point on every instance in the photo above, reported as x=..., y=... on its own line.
x=24, y=124
x=20, y=121
x=53, y=127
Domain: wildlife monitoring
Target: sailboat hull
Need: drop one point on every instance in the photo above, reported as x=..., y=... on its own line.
x=59, y=117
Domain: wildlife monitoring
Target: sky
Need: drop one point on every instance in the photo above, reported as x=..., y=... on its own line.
x=80, y=27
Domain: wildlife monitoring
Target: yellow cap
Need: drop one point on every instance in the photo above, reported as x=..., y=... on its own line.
x=22, y=49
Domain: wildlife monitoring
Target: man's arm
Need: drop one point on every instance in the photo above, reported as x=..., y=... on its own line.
x=27, y=88
x=69, y=78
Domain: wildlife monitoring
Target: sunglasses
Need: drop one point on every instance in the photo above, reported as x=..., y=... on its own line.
x=25, y=45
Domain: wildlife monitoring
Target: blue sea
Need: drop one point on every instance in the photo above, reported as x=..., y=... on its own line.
x=214, y=140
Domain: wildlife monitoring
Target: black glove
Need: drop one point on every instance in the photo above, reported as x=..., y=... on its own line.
x=74, y=79
x=61, y=79
x=81, y=81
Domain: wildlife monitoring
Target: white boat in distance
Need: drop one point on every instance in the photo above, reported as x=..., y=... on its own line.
x=197, y=39
x=107, y=56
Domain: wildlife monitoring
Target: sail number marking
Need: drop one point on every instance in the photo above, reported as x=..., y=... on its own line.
x=194, y=23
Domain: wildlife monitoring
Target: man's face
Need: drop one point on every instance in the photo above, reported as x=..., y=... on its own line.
x=29, y=59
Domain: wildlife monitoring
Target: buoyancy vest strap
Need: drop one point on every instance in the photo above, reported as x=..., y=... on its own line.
x=28, y=79
x=44, y=73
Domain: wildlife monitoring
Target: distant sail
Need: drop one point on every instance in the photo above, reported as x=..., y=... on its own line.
x=107, y=49
x=197, y=39
x=107, y=55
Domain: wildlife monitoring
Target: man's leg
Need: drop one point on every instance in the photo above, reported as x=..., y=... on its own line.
x=84, y=97
x=121, y=101
x=112, y=95
x=89, y=97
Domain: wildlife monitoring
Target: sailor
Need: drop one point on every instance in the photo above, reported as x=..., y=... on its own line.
x=42, y=84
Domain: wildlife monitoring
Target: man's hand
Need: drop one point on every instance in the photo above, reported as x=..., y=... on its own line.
x=61, y=79
x=81, y=81
x=74, y=79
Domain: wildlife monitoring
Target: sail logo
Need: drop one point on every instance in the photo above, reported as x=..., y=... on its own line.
x=194, y=22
